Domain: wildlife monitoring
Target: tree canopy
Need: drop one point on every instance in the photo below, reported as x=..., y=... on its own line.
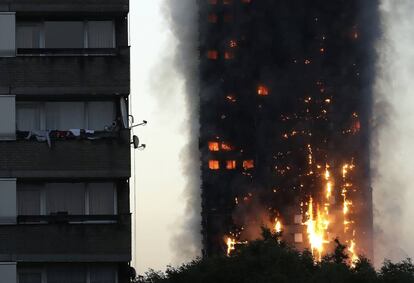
x=272, y=261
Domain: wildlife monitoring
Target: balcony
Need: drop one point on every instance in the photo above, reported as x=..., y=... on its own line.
x=43, y=6
x=54, y=73
x=101, y=158
x=56, y=241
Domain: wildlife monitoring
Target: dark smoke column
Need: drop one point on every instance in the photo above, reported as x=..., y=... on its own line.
x=285, y=90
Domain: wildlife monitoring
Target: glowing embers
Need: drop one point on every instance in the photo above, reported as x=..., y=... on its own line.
x=231, y=98
x=307, y=61
x=212, y=54
x=248, y=164
x=262, y=90
x=233, y=43
x=214, y=164
x=212, y=18
x=231, y=164
x=214, y=146
x=228, y=55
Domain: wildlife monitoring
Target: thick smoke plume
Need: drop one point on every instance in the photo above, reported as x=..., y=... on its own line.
x=182, y=16
x=393, y=149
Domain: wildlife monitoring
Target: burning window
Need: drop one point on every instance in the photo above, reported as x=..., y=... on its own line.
x=228, y=55
x=226, y=147
x=298, y=219
x=231, y=164
x=248, y=164
x=213, y=146
x=298, y=237
x=231, y=98
x=214, y=164
x=262, y=90
x=212, y=18
x=232, y=43
x=212, y=54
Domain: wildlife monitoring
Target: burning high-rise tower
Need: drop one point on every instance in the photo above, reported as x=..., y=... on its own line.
x=285, y=117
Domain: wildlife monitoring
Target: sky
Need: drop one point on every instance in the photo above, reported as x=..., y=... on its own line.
x=157, y=92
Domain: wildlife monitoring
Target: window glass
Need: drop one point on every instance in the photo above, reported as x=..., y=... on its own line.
x=101, y=114
x=64, y=34
x=100, y=34
x=28, y=199
x=65, y=115
x=102, y=274
x=28, y=35
x=7, y=35
x=30, y=277
x=65, y=197
x=28, y=116
x=101, y=198
x=66, y=274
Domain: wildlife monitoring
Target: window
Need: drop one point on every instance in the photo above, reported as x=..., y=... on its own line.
x=101, y=34
x=66, y=274
x=213, y=146
x=73, y=198
x=28, y=35
x=30, y=275
x=29, y=199
x=231, y=164
x=66, y=34
x=102, y=274
x=214, y=164
x=298, y=237
x=8, y=210
x=93, y=115
x=7, y=35
x=212, y=54
x=298, y=219
x=101, y=198
x=65, y=197
x=248, y=164
x=29, y=116
x=7, y=117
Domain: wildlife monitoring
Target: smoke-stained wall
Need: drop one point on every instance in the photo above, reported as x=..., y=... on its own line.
x=285, y=97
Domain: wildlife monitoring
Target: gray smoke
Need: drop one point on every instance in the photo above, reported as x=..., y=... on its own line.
x=182, y=16
x=393, y=142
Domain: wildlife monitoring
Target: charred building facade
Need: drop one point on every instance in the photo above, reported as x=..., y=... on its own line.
x=285, y=106
x=64, y=141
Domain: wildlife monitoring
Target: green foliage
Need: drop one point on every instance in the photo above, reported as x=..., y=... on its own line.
x=272, y=261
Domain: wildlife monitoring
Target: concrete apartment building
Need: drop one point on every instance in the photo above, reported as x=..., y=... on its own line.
x=64, y=141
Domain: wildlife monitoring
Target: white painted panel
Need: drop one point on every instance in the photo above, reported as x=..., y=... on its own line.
x=7, y=117
x=8, y=272
x=7, y=35
x=8, y=205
